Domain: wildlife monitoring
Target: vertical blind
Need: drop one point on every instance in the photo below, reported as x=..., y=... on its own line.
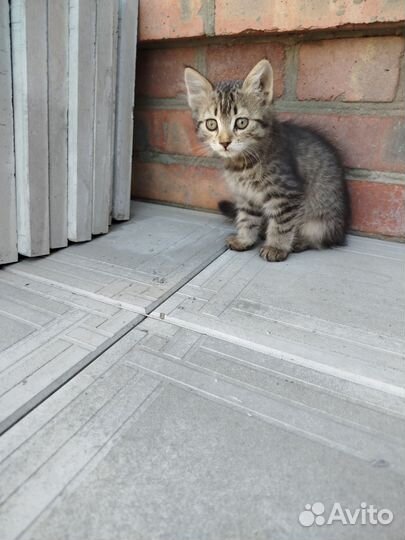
x=67, y=76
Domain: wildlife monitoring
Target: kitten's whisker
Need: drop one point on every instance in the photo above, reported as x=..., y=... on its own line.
x=200, y=150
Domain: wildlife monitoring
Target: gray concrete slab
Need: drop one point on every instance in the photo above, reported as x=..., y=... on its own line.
x=60, y=312
x=140, y=262
x=251, y=393
x=339, y=312
x=172, y=434
x=47, y=335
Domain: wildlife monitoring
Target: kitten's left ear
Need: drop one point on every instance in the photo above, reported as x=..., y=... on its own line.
x=260, y=80
x=198, y=88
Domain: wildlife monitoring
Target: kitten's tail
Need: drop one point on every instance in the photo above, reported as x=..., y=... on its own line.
x=228, y=209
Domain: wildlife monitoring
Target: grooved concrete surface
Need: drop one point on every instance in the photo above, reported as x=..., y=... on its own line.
x=266, y=388
x=60, y=312
x=140, y=262
x=338, y=311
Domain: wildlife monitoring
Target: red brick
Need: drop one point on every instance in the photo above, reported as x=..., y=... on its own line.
x=160, y=72
x=355, y=69
x=235, y=61
x=378, y=208
x=197, y=187
x=236, y=16
x=168, y=131
x=165, y=19
x=365, y=142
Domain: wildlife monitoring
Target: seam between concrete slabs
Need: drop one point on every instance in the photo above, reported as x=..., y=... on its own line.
x=115, y=339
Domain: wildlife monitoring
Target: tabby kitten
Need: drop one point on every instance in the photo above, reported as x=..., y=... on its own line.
x=287, y=181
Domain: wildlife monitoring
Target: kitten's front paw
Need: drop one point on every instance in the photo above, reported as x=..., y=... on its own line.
x=273, y=254
x=233, y=242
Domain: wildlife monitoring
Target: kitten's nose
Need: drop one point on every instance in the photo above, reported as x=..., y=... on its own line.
x=225, y=144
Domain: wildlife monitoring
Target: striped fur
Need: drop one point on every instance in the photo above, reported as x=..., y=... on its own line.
x=287, y=181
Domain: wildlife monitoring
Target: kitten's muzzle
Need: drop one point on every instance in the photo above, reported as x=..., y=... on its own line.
x=225, y=144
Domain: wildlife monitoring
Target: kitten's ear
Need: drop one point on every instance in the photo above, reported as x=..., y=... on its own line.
x=260, y=80
x=198, y=88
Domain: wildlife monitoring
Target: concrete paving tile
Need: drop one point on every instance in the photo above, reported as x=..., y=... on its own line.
x=337, y=311
x=59, y=299
x=251, y=392
x=45, y=339
x=173, y=434
x=140, y=262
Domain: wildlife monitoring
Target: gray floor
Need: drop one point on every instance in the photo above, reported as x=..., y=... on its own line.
x=58, y=313
x=222, y=394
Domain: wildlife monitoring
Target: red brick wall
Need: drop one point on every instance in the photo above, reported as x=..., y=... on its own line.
x=338, y=66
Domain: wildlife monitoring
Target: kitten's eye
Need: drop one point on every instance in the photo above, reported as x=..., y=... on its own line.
x=211, y=124
x=241, y=123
